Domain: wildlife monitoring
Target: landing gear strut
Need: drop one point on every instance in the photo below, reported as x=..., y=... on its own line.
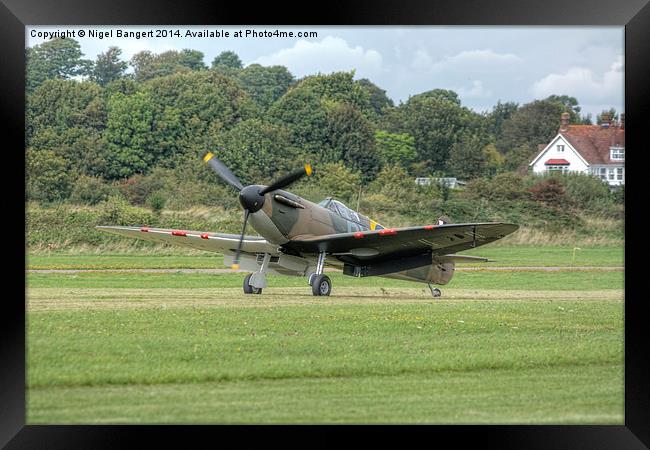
x=320, y=284
x=434, y=291
x=254, y=282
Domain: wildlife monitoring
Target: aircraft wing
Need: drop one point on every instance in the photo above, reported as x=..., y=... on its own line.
x=211, y=242
x=441, y=240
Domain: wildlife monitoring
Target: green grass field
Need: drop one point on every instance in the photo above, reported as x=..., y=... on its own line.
x=498, y=347
x=177, y=258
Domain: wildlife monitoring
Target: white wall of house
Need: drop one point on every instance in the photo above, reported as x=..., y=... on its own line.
x=613, y=174
x=559, y=148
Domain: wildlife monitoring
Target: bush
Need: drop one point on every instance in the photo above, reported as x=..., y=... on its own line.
x=505, y=186
x=138, y=188
x=584, y=189
x=550, y=191
x=156, y=202
x=91, y=190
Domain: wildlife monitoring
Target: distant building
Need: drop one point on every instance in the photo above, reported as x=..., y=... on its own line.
x=598, y=150
x=451, y=182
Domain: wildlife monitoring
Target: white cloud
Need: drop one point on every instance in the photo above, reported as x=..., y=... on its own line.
x=329, y=55
x=421, y=60
x=476, y=91
x=466, y=61
x=582, y=83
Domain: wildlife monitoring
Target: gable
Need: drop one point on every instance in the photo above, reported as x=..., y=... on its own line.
x=550, y=151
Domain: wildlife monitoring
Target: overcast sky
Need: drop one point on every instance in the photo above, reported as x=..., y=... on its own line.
x=482, y=64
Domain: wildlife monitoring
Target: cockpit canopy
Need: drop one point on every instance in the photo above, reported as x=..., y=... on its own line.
x=349, y=214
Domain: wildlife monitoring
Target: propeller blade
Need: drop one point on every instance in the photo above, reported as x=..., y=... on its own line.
x=235, y=263
x=224, y=173
x=288, y=179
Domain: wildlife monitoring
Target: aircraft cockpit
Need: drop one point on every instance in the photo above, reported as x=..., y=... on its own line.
x=349, y=214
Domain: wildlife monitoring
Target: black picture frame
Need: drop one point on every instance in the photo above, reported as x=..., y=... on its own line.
x=634, y=15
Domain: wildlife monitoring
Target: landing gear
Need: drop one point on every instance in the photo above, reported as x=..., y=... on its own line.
x=248, y=289
x=254, y=282
x=434, y=291
x=320, y=284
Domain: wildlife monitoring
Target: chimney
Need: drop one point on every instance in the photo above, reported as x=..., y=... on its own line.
x=622, y=121
x=604, y=120
x=565, y=121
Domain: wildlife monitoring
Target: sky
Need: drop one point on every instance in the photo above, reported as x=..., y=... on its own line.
x=482, y=64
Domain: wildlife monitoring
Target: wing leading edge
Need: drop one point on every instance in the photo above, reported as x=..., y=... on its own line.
x=211, y=242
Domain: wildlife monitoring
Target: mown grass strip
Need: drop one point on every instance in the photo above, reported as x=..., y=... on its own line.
x=539, y=280
x=504, y=256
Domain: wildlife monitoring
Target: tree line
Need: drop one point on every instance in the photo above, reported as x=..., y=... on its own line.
x=92, y=125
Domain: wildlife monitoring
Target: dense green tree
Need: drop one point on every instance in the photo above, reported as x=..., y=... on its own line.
x=518, y=158
x=441, y=94
x=257, y=151
x=377, y=96
x=338, y=87
x=532, y=124
x=351, y=139
x=147, y=65
x=467, y=159
x=58, y=58
x=265, y=84
x=108, y=66
x=130, y=142
x=393, y=181
x=125, y=85
x=499, y=114
x=192, y=59
x=192, y=108
x=227, y=59
x=338, y=181
x=570, y=105
x=48, y=177
x=302, y=111
x=436, y=121
x=63, y=104
x=395, y=148
x=494, y=160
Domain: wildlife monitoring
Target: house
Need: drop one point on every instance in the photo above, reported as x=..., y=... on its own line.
x=598, y=150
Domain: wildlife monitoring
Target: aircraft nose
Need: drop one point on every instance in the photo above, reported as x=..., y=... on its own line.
x=250, y=198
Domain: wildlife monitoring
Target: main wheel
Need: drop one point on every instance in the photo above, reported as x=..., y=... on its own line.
x=248, y=289
x=321, y=285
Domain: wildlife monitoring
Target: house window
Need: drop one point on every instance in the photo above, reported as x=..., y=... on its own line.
x=555, y=168
x=560, y=148
x=611, y=174
x=617, y=153
x=619, y=173
x=603, y=173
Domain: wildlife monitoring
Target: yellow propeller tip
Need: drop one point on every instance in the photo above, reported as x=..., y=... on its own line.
x=308, y=169
x=208, y=156
x=235, y=267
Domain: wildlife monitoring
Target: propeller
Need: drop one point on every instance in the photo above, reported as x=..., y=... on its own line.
x=251, y=197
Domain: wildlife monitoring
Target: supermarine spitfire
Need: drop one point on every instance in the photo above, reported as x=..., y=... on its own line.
x=300, y=238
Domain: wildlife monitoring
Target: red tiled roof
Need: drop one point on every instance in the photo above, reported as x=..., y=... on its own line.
x=552, y=162
x=593, y=142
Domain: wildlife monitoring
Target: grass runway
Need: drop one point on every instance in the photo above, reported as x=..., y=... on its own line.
x=498, y=347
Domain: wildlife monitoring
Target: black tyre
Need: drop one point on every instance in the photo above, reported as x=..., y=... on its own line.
x=321, y=285
x=248, y=289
